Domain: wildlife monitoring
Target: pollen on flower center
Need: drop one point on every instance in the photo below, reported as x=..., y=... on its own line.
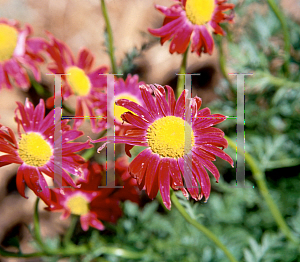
x=78, y=80
x=78, y=205
x=34, y=150
x=166, y=137
x=199, y=12
x=8, y=41
x=119, y=110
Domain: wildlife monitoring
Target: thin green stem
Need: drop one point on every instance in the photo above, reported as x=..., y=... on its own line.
x=222, y=63
x=281, y=17
x=36, y=229
x=40, y=90
x=181, y=76
x=200, y=227
x=70, y=231
x=160, y=200
x=259, y=177
x=110, y=38
x=5, y=253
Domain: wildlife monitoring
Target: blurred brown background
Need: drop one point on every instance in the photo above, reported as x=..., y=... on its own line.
x=80, y=24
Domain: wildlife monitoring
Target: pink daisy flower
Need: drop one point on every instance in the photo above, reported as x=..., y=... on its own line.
x=128, y=89
x=18, y=50
x=35, y=150
x=83, y=82
x=192, y=20
x=94, y=204
x=161, y=126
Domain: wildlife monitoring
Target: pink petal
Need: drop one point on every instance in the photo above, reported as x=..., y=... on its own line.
x=164, y=182
x=136, y=108
x=180, y=105
x=151, y=174
x=85, y=59
x=181, y=40
x=207, y=40
x=149, y=102
x=218, y=152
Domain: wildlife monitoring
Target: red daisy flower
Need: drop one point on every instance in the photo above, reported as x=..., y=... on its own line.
x=35, y=150
x=128, y=89
x=16, y=51
x=94, y=204
x=168, y=160
x=86, y=84
x=189, y=20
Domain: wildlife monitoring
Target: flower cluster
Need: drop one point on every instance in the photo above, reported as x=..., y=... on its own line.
x=180, y=139
x=92, y=201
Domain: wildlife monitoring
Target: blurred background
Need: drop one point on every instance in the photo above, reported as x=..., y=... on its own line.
x=238, y=216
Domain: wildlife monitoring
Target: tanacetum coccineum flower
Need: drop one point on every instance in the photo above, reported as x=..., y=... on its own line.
x=35, y=150
x=128, y=89
x=94, y=204
x=167, y=160
x=82, y=81
x=17, y=50
x=192, y=20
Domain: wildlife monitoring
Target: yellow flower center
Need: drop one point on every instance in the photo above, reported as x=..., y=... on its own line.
x=78, y=205
x=119, y=110
x=8, y=41
x=34, y=150
x=166, y=137
x=199, y=12
x=78, y=80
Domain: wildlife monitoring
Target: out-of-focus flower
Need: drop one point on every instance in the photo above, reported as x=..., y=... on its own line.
x=128, y=89
x=192, y=20
x=161, y=126
x=35, y=150
x=18, y=50
x=83, y=82
x=94, y=204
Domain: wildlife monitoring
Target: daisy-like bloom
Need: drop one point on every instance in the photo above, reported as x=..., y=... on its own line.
x=94, y=204
x=128, y=89
x=168, y=160
x=83, y=82
x=35, y=150
x=193, y=20
x=18, y=50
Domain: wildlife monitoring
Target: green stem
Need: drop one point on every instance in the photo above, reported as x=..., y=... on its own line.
x=36, y=229
x=276, y=10
x=40, y=90
x=259, y=177
x=182, y=71
x=160, y=200
x=110, y=37
x=70, y=231
x=222, y=63
x=200, y=227
x=5, y=253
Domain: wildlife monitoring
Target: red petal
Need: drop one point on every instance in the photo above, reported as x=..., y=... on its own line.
x=164, y=182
